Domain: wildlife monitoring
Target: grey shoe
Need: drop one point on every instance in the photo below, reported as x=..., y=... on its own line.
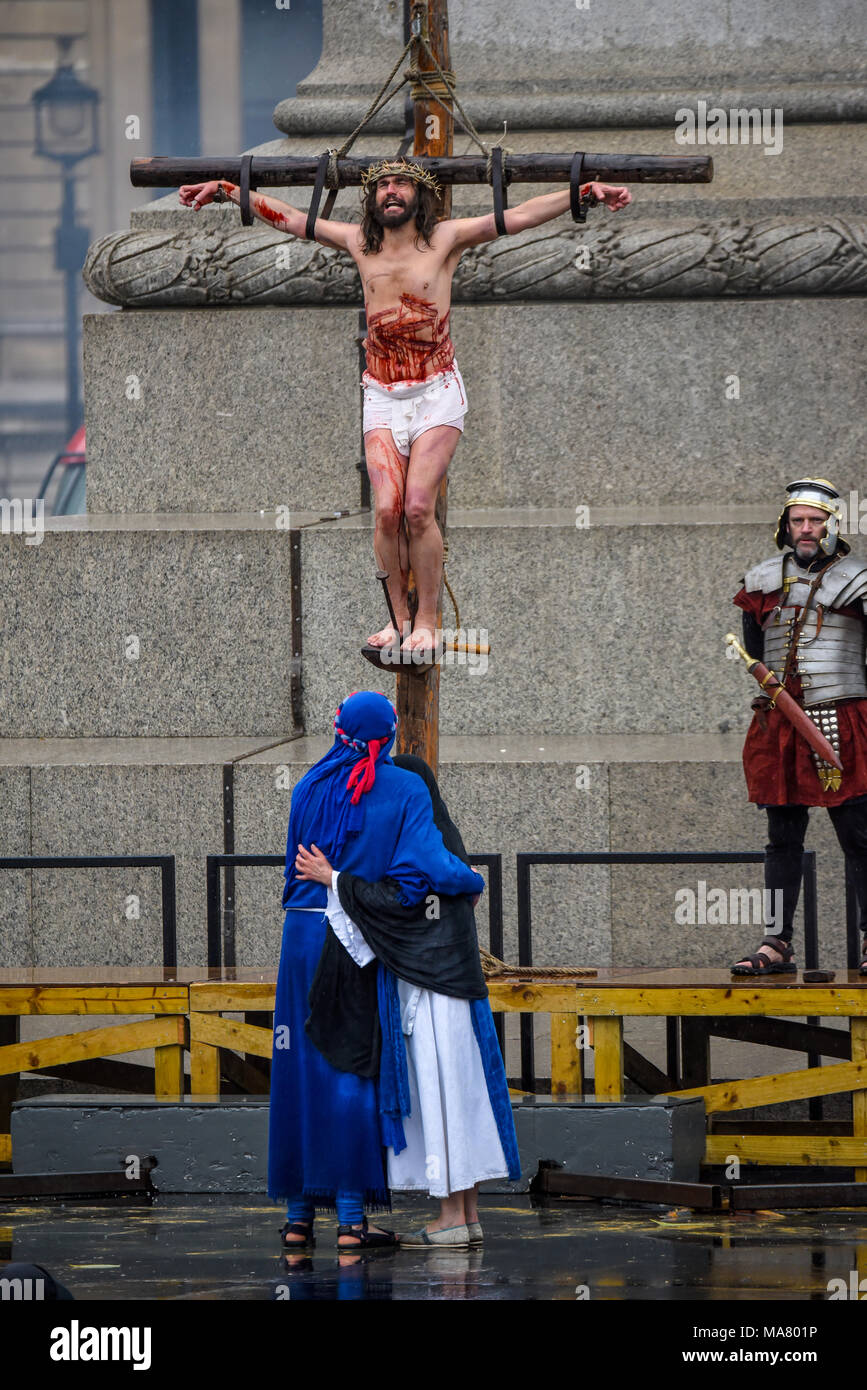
x=475, y=1232
x=454, y=1237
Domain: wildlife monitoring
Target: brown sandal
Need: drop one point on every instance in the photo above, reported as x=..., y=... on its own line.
x=758, y=964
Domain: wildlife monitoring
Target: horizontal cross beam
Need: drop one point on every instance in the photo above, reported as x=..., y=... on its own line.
x=270, y=171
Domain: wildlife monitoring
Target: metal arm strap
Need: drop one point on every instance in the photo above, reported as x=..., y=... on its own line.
x=245, y=185
x=321, y=171
x=498, y=185
x=576, y=202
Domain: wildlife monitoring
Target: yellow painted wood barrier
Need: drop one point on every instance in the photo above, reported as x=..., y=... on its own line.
x=184, y=1008
x=161, y=995
x=616, y=994
x=781, y=1086
x=96, y=1042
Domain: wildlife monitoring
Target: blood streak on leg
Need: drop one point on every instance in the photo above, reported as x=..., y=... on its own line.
x=386, y=468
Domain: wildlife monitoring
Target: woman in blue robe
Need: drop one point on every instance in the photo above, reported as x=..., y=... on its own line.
x=376, y=820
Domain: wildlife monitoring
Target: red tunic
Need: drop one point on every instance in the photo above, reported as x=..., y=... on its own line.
x=778, y=762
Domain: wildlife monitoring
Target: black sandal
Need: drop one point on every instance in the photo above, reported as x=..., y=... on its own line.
x=366, y=1240
x=297, y=1228
x=762, y=965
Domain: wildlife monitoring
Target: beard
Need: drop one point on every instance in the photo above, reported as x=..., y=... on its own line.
x=807, y=551
x=393, y=218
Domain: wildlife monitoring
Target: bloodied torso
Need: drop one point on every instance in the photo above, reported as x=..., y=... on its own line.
x=407, y=288
x=408, y=342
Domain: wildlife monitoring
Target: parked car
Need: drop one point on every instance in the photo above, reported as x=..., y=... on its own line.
x=63, y=486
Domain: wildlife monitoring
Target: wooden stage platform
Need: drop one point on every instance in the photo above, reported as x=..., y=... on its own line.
x=184, y=1010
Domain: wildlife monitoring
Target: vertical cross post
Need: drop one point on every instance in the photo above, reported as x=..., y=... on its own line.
x=418, y=692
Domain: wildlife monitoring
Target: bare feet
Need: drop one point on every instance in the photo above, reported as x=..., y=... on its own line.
x=386, y=637
x=422, y=638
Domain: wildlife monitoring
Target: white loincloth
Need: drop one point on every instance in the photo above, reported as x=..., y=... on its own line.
x=452, y=1140
x=408, y=408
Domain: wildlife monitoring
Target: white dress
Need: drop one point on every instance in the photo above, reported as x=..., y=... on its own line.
x=452, y=1141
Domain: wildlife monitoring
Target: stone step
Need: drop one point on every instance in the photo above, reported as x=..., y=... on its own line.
x=161, y=626
x=209, y=1144
x=235, y=409
x=613, y=626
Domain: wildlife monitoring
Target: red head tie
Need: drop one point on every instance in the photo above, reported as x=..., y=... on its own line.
x=363, y=775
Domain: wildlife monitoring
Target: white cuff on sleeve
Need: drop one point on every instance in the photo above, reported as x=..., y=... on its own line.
x=345, y=929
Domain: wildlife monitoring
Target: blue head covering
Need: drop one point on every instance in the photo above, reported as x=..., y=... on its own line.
x=364, y=729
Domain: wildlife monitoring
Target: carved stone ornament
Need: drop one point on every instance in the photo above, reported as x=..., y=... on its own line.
x=240, y=267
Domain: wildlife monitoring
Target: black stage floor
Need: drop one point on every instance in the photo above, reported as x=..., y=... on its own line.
x=226, y=1248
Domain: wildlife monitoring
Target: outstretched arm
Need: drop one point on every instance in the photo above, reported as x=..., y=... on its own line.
x=473, y=231
x=271, y=210
x=453, y=876
x=312, y=865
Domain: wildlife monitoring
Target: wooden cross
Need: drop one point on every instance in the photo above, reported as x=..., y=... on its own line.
x=418, y=687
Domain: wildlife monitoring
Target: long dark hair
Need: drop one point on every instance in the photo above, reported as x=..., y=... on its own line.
x=425, y=218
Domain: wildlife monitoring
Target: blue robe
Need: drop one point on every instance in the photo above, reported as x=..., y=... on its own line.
x=324, y=1124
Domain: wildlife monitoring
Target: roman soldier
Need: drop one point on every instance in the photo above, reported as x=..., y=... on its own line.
x=805, y=617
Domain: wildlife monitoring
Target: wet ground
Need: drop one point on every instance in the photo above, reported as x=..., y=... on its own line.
x=226, y=1248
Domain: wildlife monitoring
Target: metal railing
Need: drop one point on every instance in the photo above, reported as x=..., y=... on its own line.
x=164, y=862
x=221, y=925
x=525, y=922
x=221, y=922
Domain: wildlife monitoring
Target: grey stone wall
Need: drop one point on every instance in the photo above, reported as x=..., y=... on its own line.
x=617, y=64
x=247, y=409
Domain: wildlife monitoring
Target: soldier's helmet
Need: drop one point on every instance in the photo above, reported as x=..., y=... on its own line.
x=818, y=493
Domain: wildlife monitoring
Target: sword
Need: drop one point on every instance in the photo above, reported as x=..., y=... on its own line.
x=783, y=701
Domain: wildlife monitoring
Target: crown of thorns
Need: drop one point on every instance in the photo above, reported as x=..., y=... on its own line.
x=402, y=167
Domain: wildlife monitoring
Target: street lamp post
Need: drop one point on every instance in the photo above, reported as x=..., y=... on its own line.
x=66, y=111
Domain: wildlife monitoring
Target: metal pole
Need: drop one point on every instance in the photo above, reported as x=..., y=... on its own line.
x=169, y=904
x=65, y=242
x=228, y=931
x=525, y=957
x=212, y=897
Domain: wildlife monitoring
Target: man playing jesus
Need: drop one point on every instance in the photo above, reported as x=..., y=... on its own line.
x=414, y=397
